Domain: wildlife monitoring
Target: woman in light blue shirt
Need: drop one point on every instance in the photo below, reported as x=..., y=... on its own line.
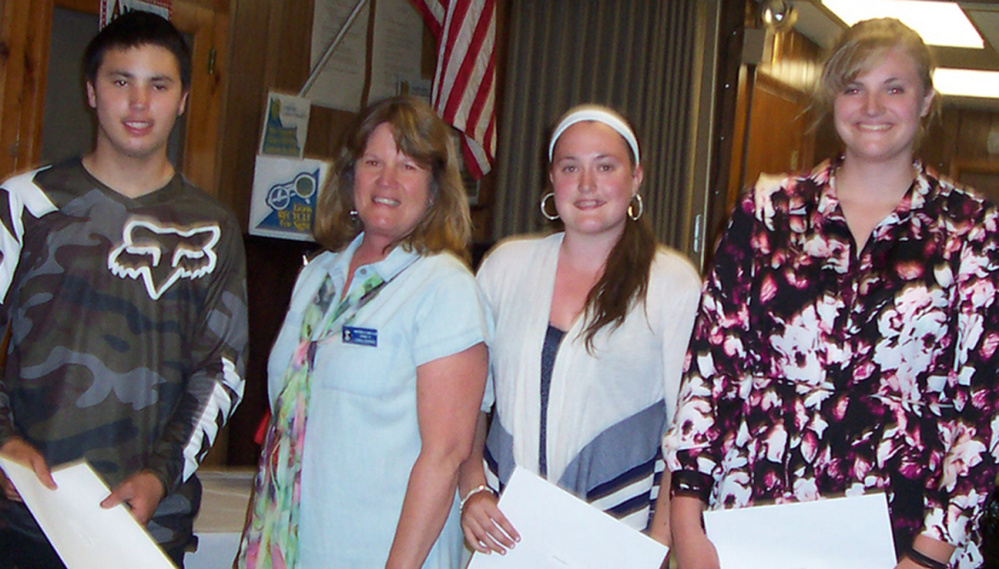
x=379, y=369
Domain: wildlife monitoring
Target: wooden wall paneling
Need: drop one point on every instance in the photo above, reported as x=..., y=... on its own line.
x=319, y=143
x=241, y=114
x=740, y=122
x=268, y=48
x=940, y=142
x=982, y=175
x=779, y=140
x=25, y=36
x=969, y=161
x=948, y=131
x=7, y=12
x=770, y=130
x=974, y=131
x=326, y=129
x=241, y=120
x=207, y=31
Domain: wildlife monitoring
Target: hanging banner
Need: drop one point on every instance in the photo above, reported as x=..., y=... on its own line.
x=111, y=9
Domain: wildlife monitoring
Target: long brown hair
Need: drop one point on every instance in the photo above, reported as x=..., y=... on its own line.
x=420, y=134
x=625, y=280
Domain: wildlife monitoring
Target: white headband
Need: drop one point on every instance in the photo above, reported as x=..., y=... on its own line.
x=598, y=114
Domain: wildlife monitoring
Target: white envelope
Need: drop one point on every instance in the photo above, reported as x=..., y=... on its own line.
x=560, y=531
x=85, y=535
x=834, y=533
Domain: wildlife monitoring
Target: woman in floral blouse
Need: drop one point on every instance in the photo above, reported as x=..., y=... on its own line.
x=848, y=333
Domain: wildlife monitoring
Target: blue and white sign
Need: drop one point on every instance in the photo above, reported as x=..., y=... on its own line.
x=285, y=194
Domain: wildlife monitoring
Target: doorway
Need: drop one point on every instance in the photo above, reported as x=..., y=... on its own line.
x=44, y=116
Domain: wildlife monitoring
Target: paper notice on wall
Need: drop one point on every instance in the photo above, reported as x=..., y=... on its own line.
x=111, y=9
x=396, y=50
x=286, y=125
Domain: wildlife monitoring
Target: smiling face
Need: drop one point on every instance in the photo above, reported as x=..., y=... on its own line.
x=391, y=190
x=138, y=95
x=877, y=115
x=593, y=179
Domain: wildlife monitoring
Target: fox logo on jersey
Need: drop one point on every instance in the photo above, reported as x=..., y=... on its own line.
x=162, y=255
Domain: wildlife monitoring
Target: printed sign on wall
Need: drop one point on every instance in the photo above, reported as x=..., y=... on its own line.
x=286, y=125
x=285, y=193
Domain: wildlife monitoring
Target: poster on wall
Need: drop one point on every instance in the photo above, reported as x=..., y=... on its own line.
x=111, y=9
x=285, y=193
x=396, y=51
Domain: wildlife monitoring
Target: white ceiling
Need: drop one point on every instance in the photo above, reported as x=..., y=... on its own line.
x=819, y=25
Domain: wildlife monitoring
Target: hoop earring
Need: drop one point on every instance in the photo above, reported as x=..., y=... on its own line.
x=631, y=208
x=544, y=211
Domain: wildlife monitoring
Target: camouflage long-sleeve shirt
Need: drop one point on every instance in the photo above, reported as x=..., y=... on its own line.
x=127, y=330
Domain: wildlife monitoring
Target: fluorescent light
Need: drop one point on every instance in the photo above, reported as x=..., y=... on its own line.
x=966, y=82
x=939, y=23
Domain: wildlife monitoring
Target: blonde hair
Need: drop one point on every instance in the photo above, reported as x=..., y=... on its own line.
x=420, y=134
x=859, y=49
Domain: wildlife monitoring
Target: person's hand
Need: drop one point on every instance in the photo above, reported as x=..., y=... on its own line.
x=142, y=493
x=20, y=451
x=486, y=528
x=695, y=552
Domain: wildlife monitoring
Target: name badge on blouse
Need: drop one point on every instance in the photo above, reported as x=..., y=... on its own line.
x=360, y=336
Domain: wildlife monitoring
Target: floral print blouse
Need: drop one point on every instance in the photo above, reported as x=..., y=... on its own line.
x=817, y=370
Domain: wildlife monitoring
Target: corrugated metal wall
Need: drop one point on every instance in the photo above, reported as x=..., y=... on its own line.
x=633, y=55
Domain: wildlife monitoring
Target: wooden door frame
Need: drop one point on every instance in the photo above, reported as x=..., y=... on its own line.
x=24, y=51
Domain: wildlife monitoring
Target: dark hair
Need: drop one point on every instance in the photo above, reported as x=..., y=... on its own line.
x=136, y=29
x=625, y=280
x=420, y=134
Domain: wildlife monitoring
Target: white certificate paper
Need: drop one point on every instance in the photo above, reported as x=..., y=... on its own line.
x=85, y=535
x=560, y=531
x=850, y=532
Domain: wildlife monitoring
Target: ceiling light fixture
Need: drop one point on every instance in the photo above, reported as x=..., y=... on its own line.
x=966, y=83
x=939, y=23
x=777, y=14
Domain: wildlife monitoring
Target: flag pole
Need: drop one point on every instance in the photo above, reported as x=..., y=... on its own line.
x=337, y=40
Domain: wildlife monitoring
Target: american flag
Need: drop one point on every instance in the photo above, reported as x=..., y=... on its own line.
x=464, y=88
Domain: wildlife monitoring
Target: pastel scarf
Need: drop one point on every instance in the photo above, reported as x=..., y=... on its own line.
x=270, y=538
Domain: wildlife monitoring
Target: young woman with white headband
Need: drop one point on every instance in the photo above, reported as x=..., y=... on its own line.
x=591, y=328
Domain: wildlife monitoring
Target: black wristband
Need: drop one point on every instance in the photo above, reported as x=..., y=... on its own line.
x=925, y=560
x=690, y=483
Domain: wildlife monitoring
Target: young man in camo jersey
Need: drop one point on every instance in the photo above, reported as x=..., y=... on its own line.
x=123, y=286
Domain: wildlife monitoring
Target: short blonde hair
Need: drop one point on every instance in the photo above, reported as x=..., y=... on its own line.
x=859, y=49
x=420, y=134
